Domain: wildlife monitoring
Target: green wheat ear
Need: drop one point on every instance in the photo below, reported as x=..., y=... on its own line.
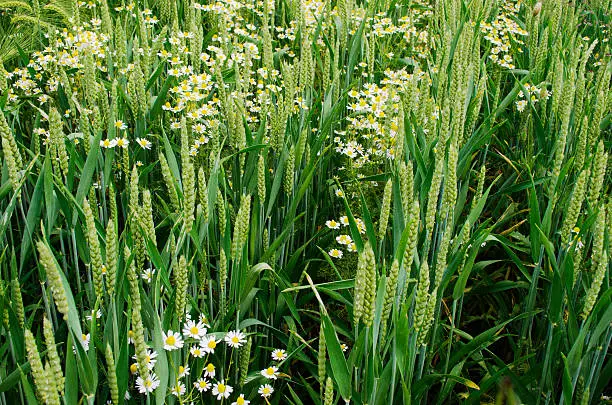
x=95, y=256
x=241, y=227
x=12, y=155
x=181, y=273
x=52, y=355
x=112, y=374
x=385, y=210
x=53, y=277
x=38, y=371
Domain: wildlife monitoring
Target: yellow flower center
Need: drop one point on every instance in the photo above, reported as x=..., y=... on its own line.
x=133, y=368
x=84, y=337
x=221, y=388
x=270, y=371
x=202, y=384
x=240, y=401
x=194, y=330
x=210, y=368
x=181, y=369
x=148, y=383
x=212, y=344
x=235, y=339
x=266, y=390
x=170, y=340
x=148, y=359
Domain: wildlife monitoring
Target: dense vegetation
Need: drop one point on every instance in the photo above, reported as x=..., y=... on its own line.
x=305, y=202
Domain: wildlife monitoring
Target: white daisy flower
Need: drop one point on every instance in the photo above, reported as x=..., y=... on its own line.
x=194, y=330
x=221, y=390
x=335, y=253
x=235, y=338
x=122, y=142
x=241, y=401
x=202, y=385
x=209, y=344
x=147, y=274
x=183, y=371
x=150, y=358
x=344, y=239
x=144, y=143
x=148, y=385
x=108, y=143
x=265, y=390
x=172, y=340
x=279, y=355
x=197, y=351
x=120, y=124
x=209, y=370
x=331, y=224
x=85, y=338
x=179, y=389
x=270, y=372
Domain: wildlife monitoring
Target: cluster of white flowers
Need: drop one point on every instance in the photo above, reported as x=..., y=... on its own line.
x=534, y=94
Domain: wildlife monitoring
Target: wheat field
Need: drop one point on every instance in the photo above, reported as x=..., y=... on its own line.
x=305, y=202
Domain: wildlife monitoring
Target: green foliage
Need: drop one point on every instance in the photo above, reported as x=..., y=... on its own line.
x=305, y=202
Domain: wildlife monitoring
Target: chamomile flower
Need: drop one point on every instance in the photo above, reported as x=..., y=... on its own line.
x=122, y=142
x=270, y=372
x=147, y=274
x=279, y=355
x=85, y=338
x=265, y=390
x=144, y=143
x=108, y=143
x=183, y=371
x=120, y=124
x=222, y=390
x=202, y=385
x=331, y=224
x=335, y=253
x=241, y=401
x=194, y=330
x=130, y=336
x=179, y=389
x=147, y=385
x=235, y=339
x=209, y=344
x=197, y=351
x=150, y=358
x=209, y=370
x=172, y=340
x=344, y=239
